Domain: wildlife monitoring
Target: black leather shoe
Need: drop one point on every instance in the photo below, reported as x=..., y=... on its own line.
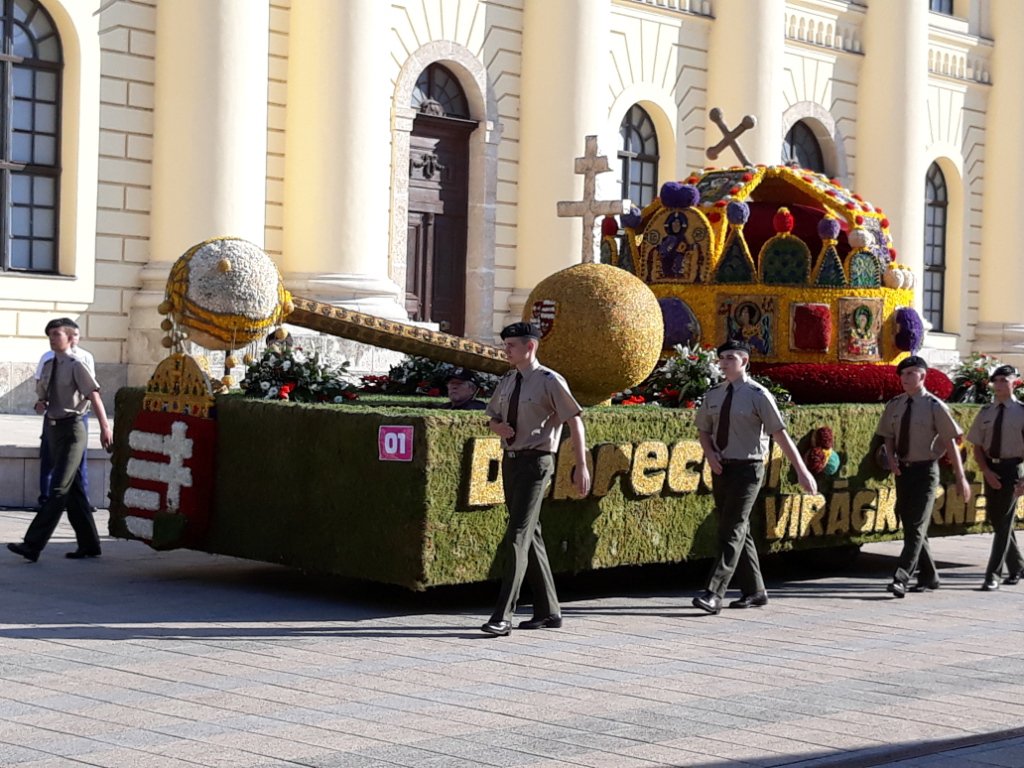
x=755, y=600
x=79, y=554
x=498, y=628
x=1013, y=578
x=708, y=602
x=898, y=588
x=21, y=549
x=554, y=621
x=929, y=587
x=991, y=583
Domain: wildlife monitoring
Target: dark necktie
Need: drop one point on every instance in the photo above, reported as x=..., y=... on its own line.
x=722, y=435
x=513, y=405
x=51, y=385
x=903, y=446
x=995, y=450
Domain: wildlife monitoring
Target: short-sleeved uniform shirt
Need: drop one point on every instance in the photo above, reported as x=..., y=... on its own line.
x=545, y=403
x=74, y=384
x=82, y=354
x=753, y=416
x=931, y=425
x=1012, y=444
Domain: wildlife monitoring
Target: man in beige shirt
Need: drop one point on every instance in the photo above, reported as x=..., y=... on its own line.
x=527, y=411
x=918, y=429
x=65, y=390
x=997, y=436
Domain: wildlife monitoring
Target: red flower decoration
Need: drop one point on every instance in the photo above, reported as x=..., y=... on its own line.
x=285, y=389
x=810, y=383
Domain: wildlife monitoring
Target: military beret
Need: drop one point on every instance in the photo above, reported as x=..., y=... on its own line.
x=517, y=330
x=1004, y=370
x=914, y=361
x=61, y=322
x=734, y=346
x=464, y=374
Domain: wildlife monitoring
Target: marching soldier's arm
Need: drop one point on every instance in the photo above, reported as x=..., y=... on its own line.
x=106, y=434
x=803, y=475
x=581, y=477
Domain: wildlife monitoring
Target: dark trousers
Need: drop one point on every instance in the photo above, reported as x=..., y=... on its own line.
x=735, y=491
x=525, y=479
x=915, y=497
x=46, y=463
x=1002, y=508
x=67, y=442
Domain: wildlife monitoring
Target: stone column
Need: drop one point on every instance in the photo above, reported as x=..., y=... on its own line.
x=209, y=145
x=746, y=61
x=892, y=132
x=563, y=99
x=999, y=330
x=336, y=194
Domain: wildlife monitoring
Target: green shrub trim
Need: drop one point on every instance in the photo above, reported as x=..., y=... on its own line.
x=301, y=485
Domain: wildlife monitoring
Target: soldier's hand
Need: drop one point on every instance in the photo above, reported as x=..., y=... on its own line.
x=581, y=480
x=715, y=463
x=40, y=407
x=963, y=489
x=807, y=482
x=992, y=479
x=107, y=438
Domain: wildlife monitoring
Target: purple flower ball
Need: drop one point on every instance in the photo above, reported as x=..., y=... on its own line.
x=737, y=212
x=828, y=228
x=631, y=220
x=676, y=195
x=909, y=329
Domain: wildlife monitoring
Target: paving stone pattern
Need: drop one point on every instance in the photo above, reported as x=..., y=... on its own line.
x=178, y=659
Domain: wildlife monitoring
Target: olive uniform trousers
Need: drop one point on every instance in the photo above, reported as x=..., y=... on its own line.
x=1001, y=509
x=735, y=491
x=915, y=498
x=525, y=478
x=67, y=441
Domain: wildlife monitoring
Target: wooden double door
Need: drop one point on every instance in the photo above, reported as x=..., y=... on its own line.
x=435, y=282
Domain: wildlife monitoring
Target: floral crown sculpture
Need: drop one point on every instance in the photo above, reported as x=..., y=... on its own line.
x=782, y=258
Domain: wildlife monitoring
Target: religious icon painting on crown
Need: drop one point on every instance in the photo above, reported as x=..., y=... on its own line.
x=750, y=319
x=860, y=325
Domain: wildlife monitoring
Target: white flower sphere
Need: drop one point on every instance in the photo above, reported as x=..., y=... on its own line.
x=227, y=292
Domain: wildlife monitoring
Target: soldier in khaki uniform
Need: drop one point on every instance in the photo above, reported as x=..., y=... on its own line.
x=65, y=390
x=997, y=436
x=734, y=422
x=527, y=411
x=918, y=428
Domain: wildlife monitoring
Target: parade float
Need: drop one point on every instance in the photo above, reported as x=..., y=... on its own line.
x=801, y=269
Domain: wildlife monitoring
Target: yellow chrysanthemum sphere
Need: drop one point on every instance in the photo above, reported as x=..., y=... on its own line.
x=602, y=328
x=227, y=292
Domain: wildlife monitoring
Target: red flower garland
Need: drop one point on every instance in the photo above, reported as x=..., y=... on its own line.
x=810, y=383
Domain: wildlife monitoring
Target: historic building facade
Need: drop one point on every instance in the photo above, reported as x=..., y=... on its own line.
x=406, y=158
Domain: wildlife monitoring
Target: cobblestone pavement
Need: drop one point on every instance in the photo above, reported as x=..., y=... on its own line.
x=179, y=659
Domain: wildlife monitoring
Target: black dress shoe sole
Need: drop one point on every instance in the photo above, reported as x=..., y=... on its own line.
x=709, y=609
x=490, y=629
x=756, y=602
x=898, y=590
x=550, y=622
x=21, y=549
x=924, y=587
x=76, y=555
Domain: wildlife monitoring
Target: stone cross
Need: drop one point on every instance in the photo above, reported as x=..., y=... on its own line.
x=588, y=208
x=731, y=134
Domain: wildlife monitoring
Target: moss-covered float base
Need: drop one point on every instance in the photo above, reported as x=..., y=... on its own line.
x=304, y=486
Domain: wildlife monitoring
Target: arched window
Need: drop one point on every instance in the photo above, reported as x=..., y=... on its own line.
x=438, y=93
x=801, y=147
x=639, y=157
x=935, y=202
x=30, y=84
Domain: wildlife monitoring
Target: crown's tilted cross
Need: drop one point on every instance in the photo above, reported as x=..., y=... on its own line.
x=588, y=208
x=731, y=134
